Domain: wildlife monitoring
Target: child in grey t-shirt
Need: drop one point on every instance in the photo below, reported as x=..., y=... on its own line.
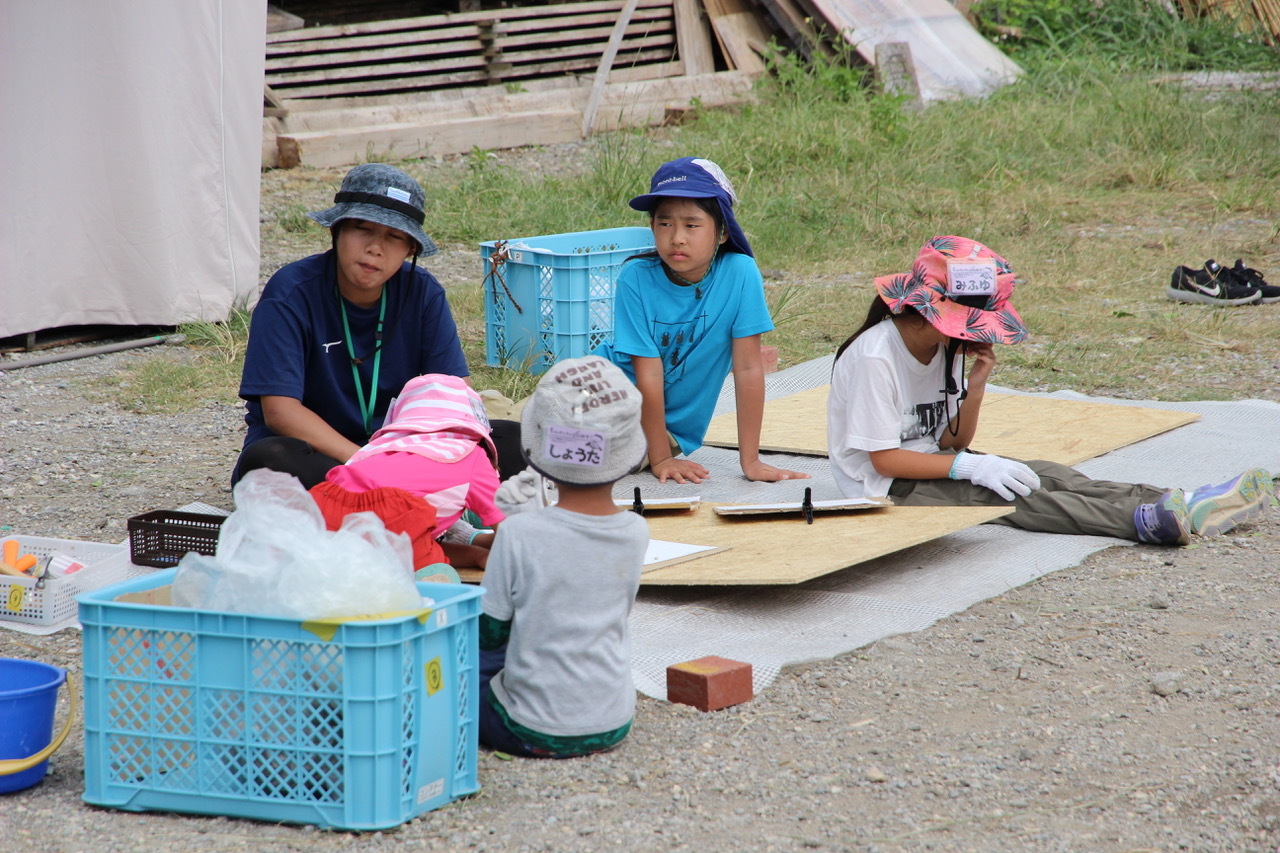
x=560, y=582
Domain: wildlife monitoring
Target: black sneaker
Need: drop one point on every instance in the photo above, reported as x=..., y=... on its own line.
x=1252, y=278
x=1212, y=285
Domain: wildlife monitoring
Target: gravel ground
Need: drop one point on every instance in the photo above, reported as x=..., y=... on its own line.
x=1131, y=703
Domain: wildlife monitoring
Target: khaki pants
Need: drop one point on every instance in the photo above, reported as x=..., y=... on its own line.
x=1066, y=502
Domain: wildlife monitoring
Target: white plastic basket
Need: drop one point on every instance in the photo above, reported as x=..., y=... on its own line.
x=52, y=599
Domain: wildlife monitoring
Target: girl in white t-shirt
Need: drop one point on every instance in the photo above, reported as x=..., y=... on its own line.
x=901, y=415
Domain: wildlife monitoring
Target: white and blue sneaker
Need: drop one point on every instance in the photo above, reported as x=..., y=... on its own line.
x=1214, y=510
x=1164, y=522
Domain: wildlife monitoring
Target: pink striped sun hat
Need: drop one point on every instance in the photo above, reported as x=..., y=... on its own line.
x=962, y=288
x=437, y=416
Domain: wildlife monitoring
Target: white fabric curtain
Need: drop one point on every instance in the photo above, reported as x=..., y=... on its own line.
x=130, y=157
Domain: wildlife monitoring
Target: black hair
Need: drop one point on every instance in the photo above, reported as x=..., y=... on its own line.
x=876, y=312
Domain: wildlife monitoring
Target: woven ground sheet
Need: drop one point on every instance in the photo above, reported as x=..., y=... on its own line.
x=771, y=627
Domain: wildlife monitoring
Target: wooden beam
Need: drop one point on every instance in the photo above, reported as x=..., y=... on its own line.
x=602, y=70
x=502, y=119
x=693, y=37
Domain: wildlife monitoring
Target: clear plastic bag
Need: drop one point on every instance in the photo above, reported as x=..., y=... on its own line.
x=276, y=558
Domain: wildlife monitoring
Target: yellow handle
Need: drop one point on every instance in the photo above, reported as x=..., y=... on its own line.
x=9, y=766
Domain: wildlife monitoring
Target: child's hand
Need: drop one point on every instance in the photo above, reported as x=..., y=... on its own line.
x=680, y=470
x=765, y=472
x=984, y=361
x=519, y=493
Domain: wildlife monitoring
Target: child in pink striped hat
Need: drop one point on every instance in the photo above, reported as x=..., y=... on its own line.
x=435, y=444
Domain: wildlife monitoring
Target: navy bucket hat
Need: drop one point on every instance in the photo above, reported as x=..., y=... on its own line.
x=694, y=177
x=383, y=194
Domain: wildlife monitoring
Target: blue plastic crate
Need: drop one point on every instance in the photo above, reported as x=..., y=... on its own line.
x=352, y=725
x=550, y=298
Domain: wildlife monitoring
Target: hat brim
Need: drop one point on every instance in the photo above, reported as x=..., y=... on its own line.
x=736, y=239
x=381, y=215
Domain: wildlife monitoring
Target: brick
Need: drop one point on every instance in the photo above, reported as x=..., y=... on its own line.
x=769, y=359
x=709, y=683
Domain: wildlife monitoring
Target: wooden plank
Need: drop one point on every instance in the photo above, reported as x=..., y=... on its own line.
x=952, y=59
x=530, y=30
x=1018, y=426
x=453, y=18
x=693, y=37
x=776, y=552
x=624, y=105
x=602, y=69
x=405, y=68
x=797, y=26
x=785, y=550
x=449, y=136
x=367, y=86
x=743, y=38
x=326, y=48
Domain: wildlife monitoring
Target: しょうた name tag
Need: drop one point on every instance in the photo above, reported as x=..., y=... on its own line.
x=576, y=446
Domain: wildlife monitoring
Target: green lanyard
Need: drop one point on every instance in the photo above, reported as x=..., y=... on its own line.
x=366, y=410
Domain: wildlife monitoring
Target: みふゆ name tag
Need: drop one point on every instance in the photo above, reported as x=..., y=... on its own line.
x=971, y=278
x=576, y=446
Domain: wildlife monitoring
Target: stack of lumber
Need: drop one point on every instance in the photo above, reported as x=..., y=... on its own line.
x=450, y=83
x=1253, y=16
x=468, y=48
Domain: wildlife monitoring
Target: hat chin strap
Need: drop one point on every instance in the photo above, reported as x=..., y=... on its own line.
x=954, y=345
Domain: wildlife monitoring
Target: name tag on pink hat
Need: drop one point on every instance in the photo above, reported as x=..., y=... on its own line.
x=971, y=277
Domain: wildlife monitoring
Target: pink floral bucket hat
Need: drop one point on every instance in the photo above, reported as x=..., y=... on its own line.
x=962, y=288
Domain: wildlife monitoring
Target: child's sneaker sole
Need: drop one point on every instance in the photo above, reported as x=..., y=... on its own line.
x=1237, y=501
x=1181, y=295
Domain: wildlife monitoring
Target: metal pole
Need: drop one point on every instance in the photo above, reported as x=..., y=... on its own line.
x=99, y=350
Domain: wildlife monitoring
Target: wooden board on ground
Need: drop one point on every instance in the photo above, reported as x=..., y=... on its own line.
x=777, y=550
x=1018, y=426
x=951, y=58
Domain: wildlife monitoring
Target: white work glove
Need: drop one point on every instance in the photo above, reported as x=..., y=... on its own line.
x=1003, y=476
x=460, y=533
x=520, y=493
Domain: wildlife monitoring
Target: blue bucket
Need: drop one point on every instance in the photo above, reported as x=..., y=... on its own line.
x=28, y=697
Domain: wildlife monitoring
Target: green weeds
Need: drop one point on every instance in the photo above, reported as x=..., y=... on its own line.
x=1090, y=178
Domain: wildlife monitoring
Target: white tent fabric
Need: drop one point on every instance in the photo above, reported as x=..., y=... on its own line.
x=130, y=133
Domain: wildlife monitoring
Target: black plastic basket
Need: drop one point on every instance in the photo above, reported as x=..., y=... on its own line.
x=162, y=537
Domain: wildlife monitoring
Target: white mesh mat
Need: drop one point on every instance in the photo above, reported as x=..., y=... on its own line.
x=774, y=626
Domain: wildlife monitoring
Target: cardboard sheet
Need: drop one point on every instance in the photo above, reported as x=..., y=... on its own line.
x=1019, y=426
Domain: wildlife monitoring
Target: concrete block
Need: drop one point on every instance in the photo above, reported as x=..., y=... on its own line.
x=709, y=683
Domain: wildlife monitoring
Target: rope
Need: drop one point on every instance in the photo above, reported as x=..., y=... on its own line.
x=496, y=261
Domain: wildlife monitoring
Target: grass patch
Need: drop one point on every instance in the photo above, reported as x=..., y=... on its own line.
x=1093, y=181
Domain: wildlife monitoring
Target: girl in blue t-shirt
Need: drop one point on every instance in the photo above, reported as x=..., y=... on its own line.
x=688, y=313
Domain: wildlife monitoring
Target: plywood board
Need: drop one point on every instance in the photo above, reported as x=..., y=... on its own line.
x=1013, y=425
x=952, y=59
x=773, y=550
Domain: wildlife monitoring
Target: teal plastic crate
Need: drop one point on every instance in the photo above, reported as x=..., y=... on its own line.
x=362, y=724
x=550, y=298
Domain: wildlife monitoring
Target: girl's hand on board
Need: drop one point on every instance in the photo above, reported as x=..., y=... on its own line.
x=679, y=470
x=764, y=472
